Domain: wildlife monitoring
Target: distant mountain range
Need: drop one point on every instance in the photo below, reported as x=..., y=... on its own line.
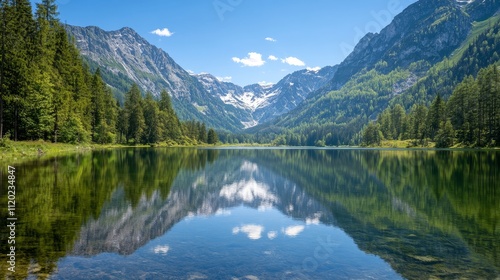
x=266, y=102
x=124, y=57
x=402, y=63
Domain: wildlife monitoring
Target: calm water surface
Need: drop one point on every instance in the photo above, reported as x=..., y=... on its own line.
x=257, y=214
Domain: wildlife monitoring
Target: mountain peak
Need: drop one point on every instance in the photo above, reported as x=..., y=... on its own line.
x=127, y=30
x=125, y=57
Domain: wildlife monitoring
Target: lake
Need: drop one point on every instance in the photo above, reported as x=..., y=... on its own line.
x=186, y=213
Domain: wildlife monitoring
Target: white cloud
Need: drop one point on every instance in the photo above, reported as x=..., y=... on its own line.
x=252, y=60
x=162, y=32
x=253, y=232
x=226, y=79
x=248, y=191
x=313, y=69
x=223, y=212
x=272, y=57
x=293, y=61
x=272, y=235
x=312, y=221
x=270, y=39
x=293, y=231
x=162, y=250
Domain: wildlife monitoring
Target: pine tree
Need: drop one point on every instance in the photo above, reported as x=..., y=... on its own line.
x=136, y=122
x=4, y=12
x=202, y=137
x=212, y=137
x=47, y=10
x=17, y=60
x=371, y=134
x=122, y=125
x=171, y=126
x=152, y=133
x=110, y=117
x=488, y=81
x=462, y=110
x=62, y=94
x=435, y=116
x=386, y=126
x=98, y=106
x=417, y=123
x=398, y=120
x=445, y=136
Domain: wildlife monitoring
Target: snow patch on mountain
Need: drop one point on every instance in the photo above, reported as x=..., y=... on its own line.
x=265, y=101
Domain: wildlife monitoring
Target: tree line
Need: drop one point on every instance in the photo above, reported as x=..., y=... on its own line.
x=49, y=93
x=470, y=117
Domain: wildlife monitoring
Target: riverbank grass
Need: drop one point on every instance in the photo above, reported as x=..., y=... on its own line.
x=15, y=150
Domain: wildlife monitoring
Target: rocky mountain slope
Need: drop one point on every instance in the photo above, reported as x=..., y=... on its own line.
x=427, y=30
x=124, y=57
x=266, y=102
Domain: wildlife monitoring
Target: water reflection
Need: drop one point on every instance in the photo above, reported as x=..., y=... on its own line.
x=423, y=213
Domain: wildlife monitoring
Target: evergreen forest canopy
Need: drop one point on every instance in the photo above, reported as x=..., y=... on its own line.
x=471, y=117
x=49, y=93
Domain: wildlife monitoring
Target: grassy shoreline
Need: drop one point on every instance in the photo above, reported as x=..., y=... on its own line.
x=16, y=151
x=13, y=151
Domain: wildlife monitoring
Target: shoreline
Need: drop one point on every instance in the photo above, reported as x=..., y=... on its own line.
x=19, y=151
x=26, y=150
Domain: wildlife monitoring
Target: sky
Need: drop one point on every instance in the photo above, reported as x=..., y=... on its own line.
x=242, y=41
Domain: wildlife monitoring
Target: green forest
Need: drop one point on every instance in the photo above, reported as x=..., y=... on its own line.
x=49, y=93
x=470, y=117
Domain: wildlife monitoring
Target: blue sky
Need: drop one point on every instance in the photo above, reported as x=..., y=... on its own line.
x=242, y=41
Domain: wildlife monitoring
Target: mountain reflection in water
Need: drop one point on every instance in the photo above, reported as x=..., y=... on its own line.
x=265, y=213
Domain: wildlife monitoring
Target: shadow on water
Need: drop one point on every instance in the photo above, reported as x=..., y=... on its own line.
x=426, y=213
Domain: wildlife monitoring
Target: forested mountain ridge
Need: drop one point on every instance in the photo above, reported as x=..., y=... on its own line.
x=428, y=30
x=445, y=42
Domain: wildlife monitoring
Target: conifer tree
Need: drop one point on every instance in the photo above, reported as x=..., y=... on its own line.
x=212, y=137
x=417, y=123
x=435, y=116
x=136, y=122
x=445, y=136
x=371, y=134
x=171, y=126
x=152, y=133
x=203, y=133
x=17, y=60
x=398, y=121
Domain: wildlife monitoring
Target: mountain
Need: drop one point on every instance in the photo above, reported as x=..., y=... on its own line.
x=425, y=50
x=264, y=103
x=124, y=57
x=427, y=30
